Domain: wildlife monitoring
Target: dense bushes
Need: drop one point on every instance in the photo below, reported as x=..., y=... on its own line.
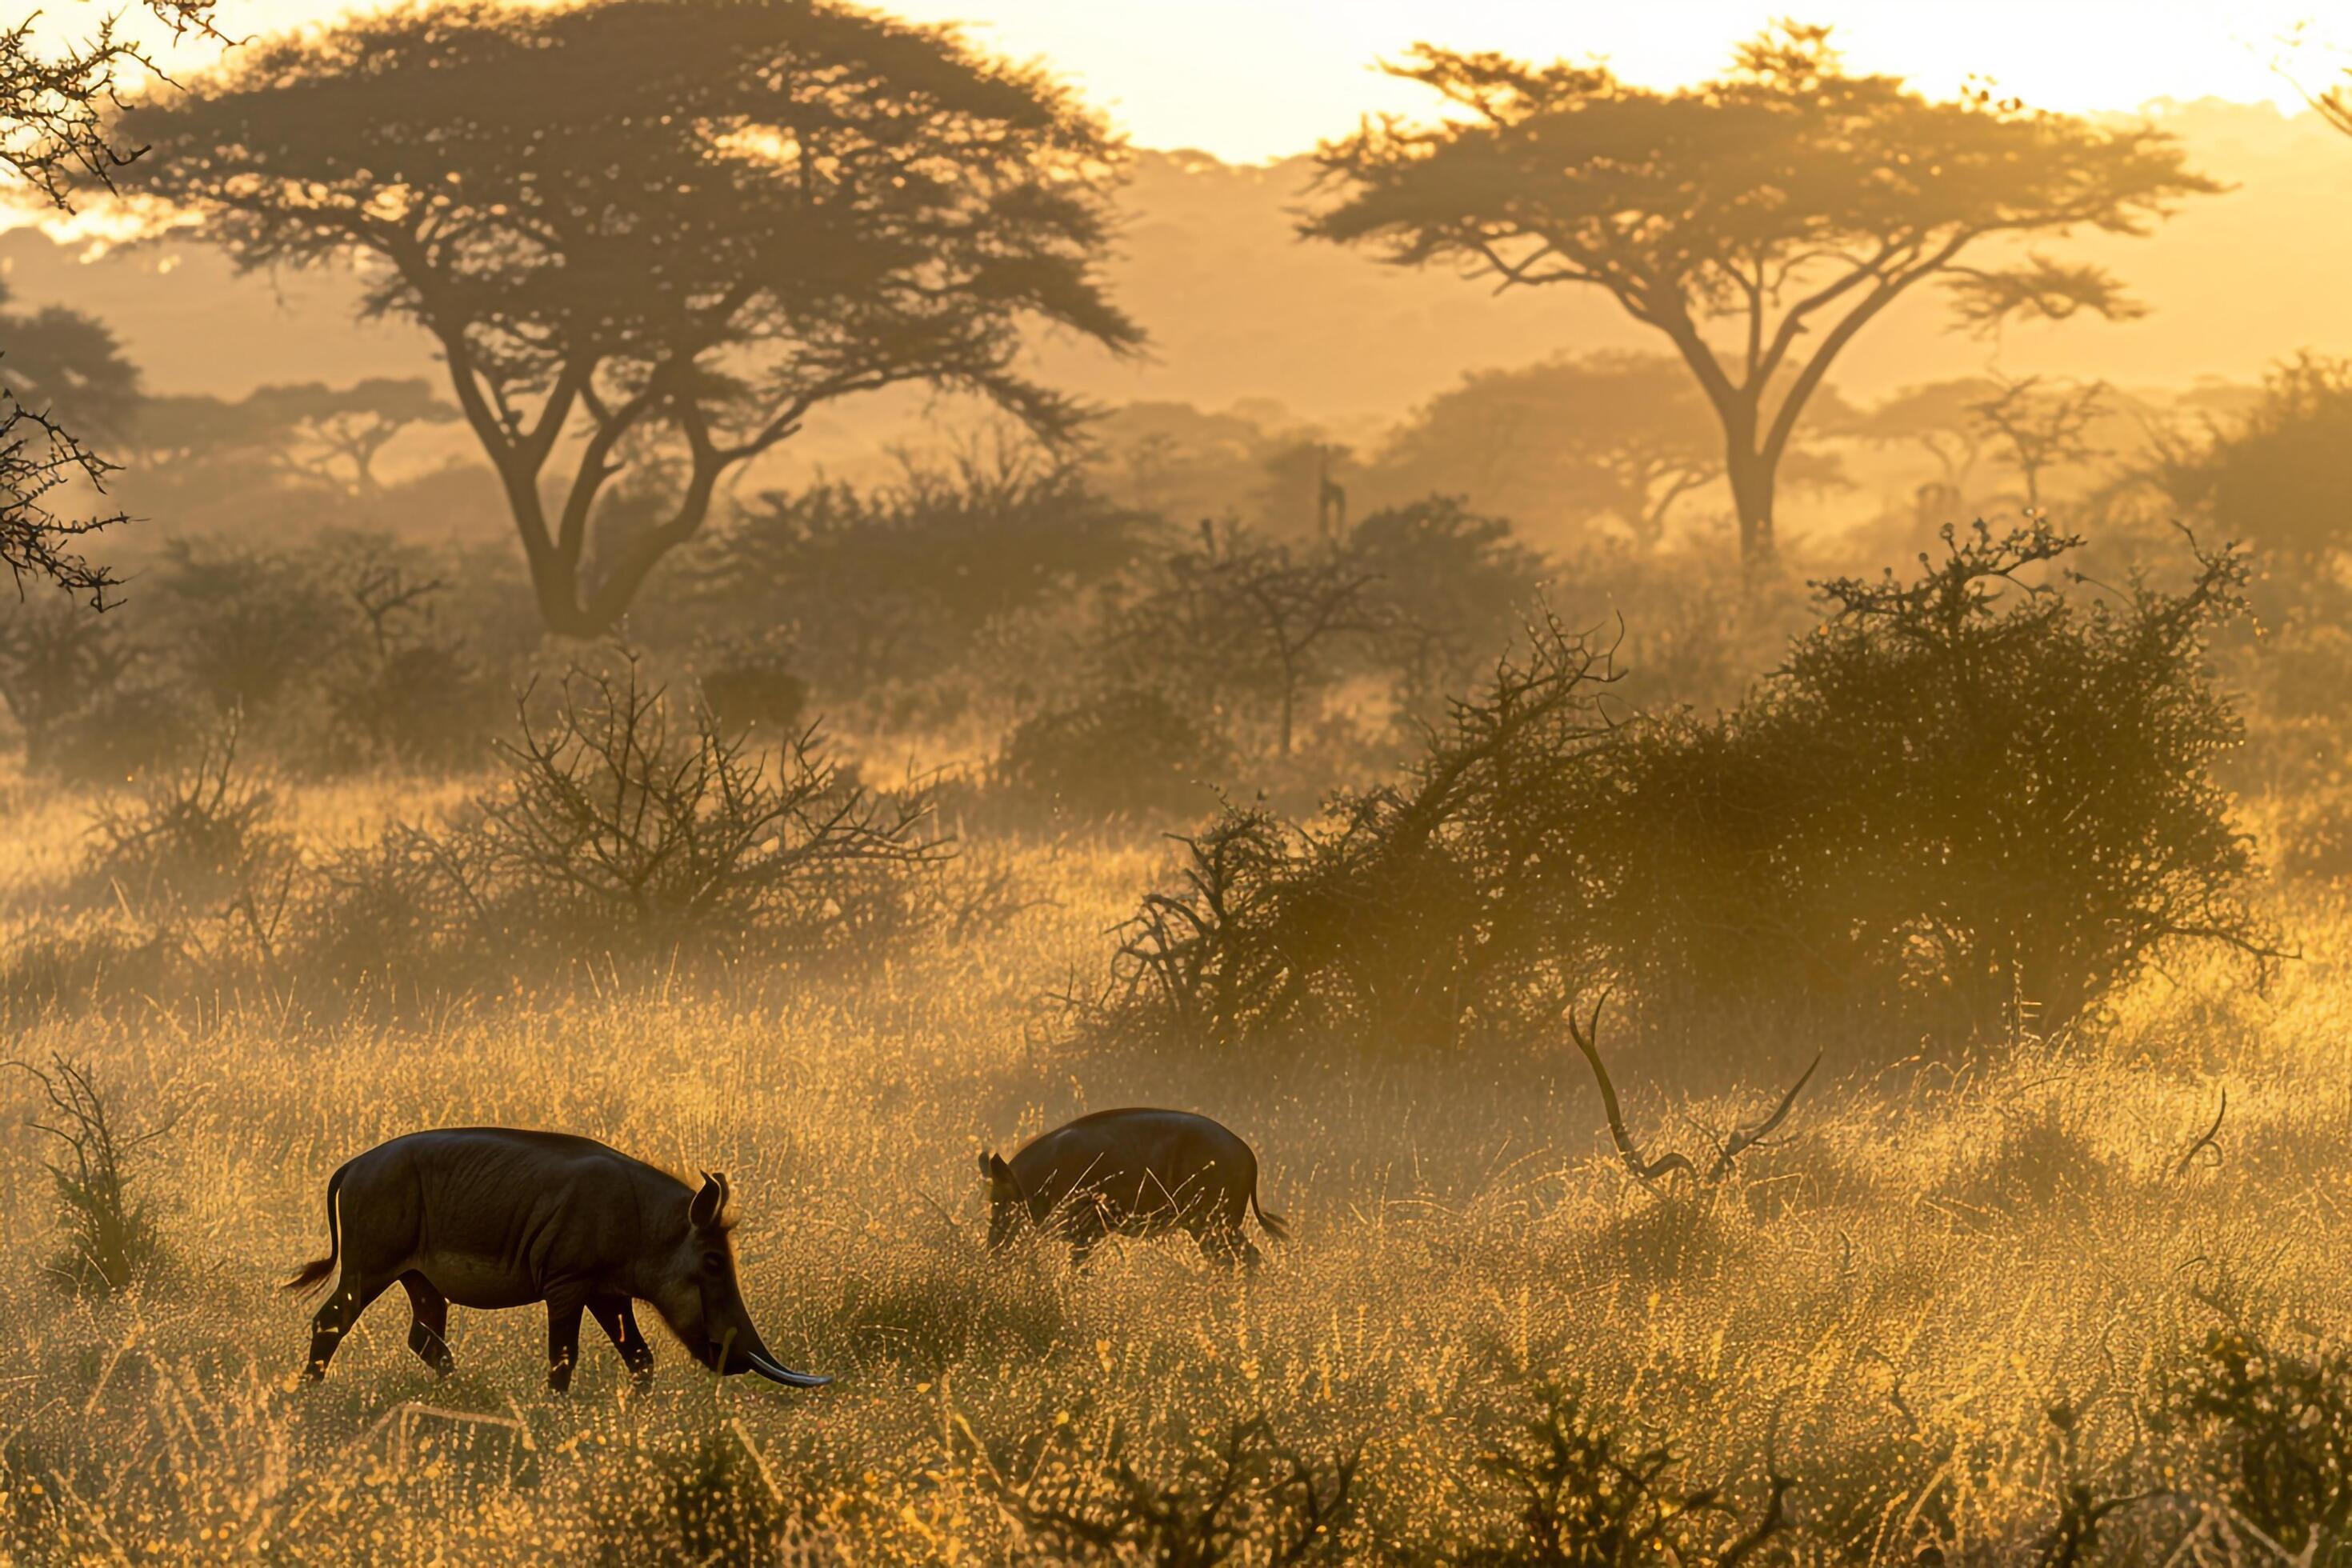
x=2270, y=1430
x=867, y=593
x=350, y=652
x=1123, y=752
x=1961, y=790
x=1408, y=910
x=624, y=827
x=1958, y=791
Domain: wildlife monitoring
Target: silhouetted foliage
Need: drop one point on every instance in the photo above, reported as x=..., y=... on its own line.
x=56, y=138
x=1585, y=1496
x=1788, y=201
x=616, y=815
x=2037, y=425
x=1252, y=1498
x=2281, y=475
x=1120, y=753
x=1406, y=911
x=1449, y=587
x=1960, y=788
x=668, y=226
x=897, y=584
x=86, y=696
x=2278, y=1425
x=1250, y=630
x=112, y=1240
x=69, y=366
x=1621, y=436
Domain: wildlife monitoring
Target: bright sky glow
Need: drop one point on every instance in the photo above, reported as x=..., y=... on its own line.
x=1253, y=79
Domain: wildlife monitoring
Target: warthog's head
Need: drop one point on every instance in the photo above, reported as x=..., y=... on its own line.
x=1008, y=1205
x=698, y=1295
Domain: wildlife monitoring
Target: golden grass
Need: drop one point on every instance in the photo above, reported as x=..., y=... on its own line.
x=1884, y=1306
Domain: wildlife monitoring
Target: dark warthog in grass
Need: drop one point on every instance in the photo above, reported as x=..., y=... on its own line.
x=1130, y=1173
x=487, y=1216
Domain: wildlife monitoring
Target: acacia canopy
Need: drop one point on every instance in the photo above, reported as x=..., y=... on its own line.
x=1759, y=221
x=664, y=227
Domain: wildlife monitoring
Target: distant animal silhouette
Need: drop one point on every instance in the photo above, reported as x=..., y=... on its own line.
x=1135, y=1172
x=489, y=1216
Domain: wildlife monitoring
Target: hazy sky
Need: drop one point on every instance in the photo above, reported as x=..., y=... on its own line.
x=1251, y=79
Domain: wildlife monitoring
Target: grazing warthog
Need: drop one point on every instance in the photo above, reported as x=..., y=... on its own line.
x=1130, y=1173
x=487, y=1216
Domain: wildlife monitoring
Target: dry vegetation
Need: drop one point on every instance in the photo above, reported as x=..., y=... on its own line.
x=1952, y=1295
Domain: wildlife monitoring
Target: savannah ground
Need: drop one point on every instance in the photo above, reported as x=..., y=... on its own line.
x=1946, y=1299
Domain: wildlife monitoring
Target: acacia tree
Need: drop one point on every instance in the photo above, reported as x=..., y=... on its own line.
x=55, y=144
x=1759, y=221
x=336, y=434
x=666, y=227
x=2042, y=425
x=1609, y=434
x=1937, y=417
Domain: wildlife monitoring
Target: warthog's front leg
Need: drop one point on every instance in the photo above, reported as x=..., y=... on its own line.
x=562, y=1339
x=428, y=1331
x=616, y=1315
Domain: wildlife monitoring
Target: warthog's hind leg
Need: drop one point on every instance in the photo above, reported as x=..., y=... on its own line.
x=428, y=1329
x=618, y=1317
x=1227, y=1245
x=350, y=1298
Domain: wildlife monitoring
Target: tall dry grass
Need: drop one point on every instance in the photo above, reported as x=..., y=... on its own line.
x=1887, y=1305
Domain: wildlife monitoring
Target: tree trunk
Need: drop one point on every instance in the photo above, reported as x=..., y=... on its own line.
x=1752, y=479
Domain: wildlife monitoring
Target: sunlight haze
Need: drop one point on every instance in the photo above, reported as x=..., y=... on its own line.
x=1250, y=82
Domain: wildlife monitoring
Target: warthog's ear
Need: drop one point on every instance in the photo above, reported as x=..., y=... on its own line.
x=987, y=1165
x=704, y=1211
x=998, y=1171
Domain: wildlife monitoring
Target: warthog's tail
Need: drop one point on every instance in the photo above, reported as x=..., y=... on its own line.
x=315, y=1272
x=1270, y=1223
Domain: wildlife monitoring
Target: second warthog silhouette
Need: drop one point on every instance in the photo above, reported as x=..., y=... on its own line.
x=489, y=1216
x=1136, y=1172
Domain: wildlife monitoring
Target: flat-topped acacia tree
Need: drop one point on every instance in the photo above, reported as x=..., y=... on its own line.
x=1759, y=221
x=664, y=228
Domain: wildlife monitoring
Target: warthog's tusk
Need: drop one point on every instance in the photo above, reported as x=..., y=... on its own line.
x=776, y=1372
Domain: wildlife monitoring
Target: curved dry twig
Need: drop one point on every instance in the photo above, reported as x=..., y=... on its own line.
x=2205, y=1142
x=1647, y=1171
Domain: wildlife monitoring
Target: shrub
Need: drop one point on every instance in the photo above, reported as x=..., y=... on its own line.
x=246, y=624
x=895, y=584
x=1956, y=790
x=83, y=692
x=1123, y=752
x=112, y=1242
x=411, y=693
x=1249, y=1498
x=195, y=835
x=1453, y=584
x=1582, y=1495
x=1407, y=910
x=2283, y=1424
x=2278, y=476
x=612, y=819
x=748, y=690
x=1257, y=633
x=413, y=909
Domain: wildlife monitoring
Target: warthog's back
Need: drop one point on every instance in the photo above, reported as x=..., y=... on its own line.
x=494, y=1212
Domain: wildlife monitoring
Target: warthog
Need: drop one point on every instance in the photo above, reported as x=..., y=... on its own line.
x=489, y=1216
x=1130, y=1173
